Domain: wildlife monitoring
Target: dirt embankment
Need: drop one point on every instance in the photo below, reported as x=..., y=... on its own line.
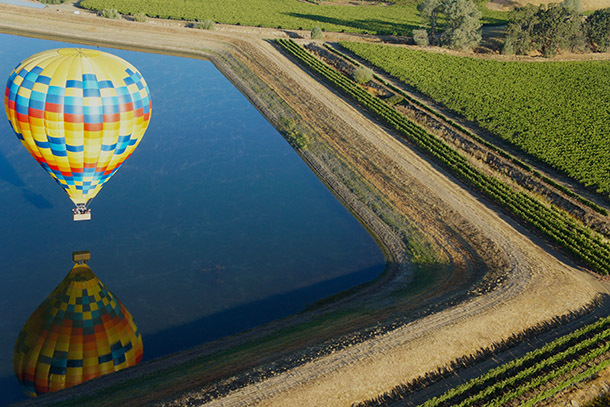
x=485, y=158
x=471, y=235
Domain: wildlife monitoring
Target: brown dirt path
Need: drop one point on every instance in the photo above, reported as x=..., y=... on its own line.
x=463, y=226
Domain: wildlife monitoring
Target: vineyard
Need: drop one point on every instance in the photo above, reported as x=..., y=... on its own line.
x=493, y=147
x=562, y=229
x=555, y=111
x=536, y=376
x=396, y=18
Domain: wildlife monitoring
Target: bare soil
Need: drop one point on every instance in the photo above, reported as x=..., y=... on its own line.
x=474, y=237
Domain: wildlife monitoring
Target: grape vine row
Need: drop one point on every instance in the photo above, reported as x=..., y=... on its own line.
x=578, y=239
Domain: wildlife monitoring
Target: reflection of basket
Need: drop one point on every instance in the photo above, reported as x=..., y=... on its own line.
x=79, y=332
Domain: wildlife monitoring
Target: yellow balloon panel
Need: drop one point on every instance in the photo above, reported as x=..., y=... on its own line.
x=80, y=113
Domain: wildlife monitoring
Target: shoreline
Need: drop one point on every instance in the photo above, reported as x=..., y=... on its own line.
x=467, y=248
x=391, y=247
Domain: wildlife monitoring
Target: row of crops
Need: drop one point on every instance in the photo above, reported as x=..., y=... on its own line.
x=481, y=141
x=569, y=233
x=530, y=379
x=398, y=17
x=555, y=111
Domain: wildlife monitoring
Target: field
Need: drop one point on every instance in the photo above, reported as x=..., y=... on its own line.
x=398, y=18
x=555, y=111
x=571, y=234
x=525, y=381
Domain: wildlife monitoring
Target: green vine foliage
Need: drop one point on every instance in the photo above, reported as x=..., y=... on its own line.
x=555, y=111
x=575, y=237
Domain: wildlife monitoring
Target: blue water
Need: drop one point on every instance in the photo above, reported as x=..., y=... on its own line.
x=23, y=3
x=214, y=225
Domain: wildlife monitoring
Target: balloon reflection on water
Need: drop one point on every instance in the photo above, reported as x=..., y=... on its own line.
x=79, y=332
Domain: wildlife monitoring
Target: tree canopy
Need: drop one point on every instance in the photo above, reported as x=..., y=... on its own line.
x=462, y=21
x=548, y=29
x=597, y=29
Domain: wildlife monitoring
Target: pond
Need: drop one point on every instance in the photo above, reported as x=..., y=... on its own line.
x=214, y=225
x=30, y=4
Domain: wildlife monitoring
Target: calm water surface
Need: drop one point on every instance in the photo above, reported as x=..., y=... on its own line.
x=30, y=4
x=214, y=225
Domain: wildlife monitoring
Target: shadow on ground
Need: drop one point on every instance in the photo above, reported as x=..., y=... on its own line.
x=371, y=26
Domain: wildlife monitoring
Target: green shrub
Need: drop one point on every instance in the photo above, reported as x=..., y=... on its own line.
x=298, y=140
x=110, y=13
x=204, y=25
x=140, y=17
x=597, y=28
x=420, y=37
x=509, y=47
x=316, y=33
x=363, y=75
x=395, y=99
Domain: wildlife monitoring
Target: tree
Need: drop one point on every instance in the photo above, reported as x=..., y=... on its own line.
x=110, y=13
x=546, y=29
x=597, y=30
x=573, y=5
x=462, y=22
x=556, y=28
x=431, y=9
x=520, y=30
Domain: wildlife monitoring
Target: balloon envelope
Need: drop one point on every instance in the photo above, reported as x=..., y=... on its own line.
x=80, y=113
x=79, y=332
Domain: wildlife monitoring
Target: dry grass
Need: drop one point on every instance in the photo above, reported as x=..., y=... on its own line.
x=509, y=4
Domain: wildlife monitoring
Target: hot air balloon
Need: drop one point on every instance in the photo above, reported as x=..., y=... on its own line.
x=79, y=332
x=80, y=113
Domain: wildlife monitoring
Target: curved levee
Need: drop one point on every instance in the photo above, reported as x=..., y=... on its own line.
x=461, y=274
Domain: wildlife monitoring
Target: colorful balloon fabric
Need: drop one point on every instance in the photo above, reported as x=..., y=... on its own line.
x=79, y=332
x=80, y=113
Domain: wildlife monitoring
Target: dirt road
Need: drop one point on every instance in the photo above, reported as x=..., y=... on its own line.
x=534, y=292
x=469, y=232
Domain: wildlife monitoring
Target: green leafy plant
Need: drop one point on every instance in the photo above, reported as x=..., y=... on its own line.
x=110, y=13
x=140, y=17
x=420, y=37
x=363, y=75
x=395, y=100
x=316, y=33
